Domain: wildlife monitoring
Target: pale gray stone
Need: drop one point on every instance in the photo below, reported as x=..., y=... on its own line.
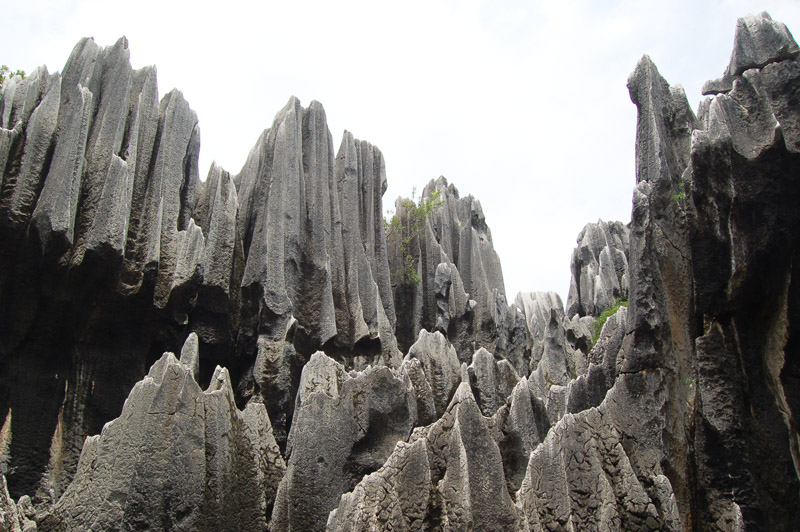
x=396, y=497
x=345, y=426
x=759, y=41
x=440, y=365
x=106, y=184
x=492, y=381
x=177, y=457
x=22, y=190
x=190, y=355
x=599, y=269
x=54, y=215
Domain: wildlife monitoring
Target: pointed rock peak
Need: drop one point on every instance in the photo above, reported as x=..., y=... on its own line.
x=464, y=374
x=320, y=374
x=348, y=143
x=221, y=380
x=292, y=105
x=316, y=107
x=759, y=41
x=463, y=392
x=644, y=78
x=119, y=49
x=481, y=356
x=522, y=384
x=160, y=366
x=190, y=354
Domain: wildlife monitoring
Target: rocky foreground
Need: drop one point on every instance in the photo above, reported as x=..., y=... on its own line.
x=312, y=387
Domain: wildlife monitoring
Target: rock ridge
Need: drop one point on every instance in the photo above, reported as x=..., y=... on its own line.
x=319, y=387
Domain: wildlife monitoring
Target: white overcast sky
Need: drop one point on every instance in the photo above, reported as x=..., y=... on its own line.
x=522, y=104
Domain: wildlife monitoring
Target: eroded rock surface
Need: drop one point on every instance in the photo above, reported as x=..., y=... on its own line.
x=599, y=269
x=345, y=426
x=178, y=457
x=460, y=290
x=680, y=416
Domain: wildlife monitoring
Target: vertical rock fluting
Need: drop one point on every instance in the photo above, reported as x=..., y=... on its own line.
x=176, y=458
x=465, y=297
x=345, y=426
x=708, y=361
x=113, y=245
x=601, y=467
x=681, y=416
x=315, y=271
x=745, y=191
x=599, y=268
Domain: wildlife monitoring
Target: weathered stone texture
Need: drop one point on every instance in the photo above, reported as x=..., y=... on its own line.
x=345, y=426
x=599, y=269
x=177, y=457
x=680, y=416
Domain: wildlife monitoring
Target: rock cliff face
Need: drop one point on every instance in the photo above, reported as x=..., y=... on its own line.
x=303, y=400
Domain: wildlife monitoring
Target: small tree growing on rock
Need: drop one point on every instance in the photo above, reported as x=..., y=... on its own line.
x=403, y=230
x=7, y=73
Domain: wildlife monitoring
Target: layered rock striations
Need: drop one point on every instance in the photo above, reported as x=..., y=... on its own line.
x=339, y=412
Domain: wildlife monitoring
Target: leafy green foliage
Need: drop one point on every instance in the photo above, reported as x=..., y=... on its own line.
x=601, y=319
x=7, y=73
x=680, y=195
x=403, y=231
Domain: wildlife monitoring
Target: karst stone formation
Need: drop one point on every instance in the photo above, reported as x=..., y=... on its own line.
x=263, y=351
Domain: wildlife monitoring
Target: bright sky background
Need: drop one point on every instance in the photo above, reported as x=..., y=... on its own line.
x=522, y=104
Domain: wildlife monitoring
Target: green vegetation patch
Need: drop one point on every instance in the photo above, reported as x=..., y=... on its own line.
x=607, y=313
x=405, y=231
x=7, y=73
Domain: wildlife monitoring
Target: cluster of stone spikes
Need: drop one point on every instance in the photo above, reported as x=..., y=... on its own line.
x=317, y=389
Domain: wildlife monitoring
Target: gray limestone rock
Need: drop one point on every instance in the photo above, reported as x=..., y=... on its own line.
x=53, y=217
x=455, y=232
x=166, y=199
x=581, y=478
x=114, y=251
x=743, y=181
x=107, y=184
x=396, y=497
x=440, y=364
x=491, y=380
x=523, y=423
x=217, y=313
x=658, y=343
x=449, y=477
x=536, y=307
x=607, y=357
x=190, y=355
x=22, y=185
x=177, y=457
x=759, y=41
x=779, y=82
x=599, y=269
x=426, y=405
x=466, y=470
x=473, y=488
x=22, y=96
x=345, y=426
x=331, y=271
x=12, y=516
